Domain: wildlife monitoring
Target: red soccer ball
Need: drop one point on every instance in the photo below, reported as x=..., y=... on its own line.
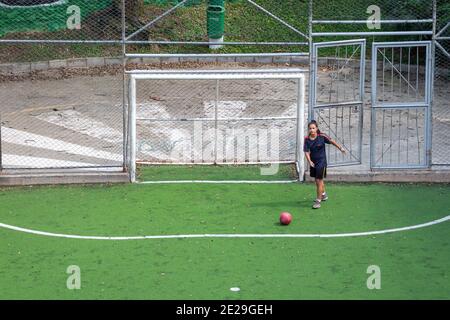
x=285, y=218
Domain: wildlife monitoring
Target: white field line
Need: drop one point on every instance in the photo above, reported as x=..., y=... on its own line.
x=77, y=121
x=274, y=235
x=38, y=141
x=38, y=162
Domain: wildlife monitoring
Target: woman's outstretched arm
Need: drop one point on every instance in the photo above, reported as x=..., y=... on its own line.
x=334, y=143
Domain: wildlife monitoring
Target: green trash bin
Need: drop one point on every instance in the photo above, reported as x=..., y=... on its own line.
x=216, y=21
x=216, y=3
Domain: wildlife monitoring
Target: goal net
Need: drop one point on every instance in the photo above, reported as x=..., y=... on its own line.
x=225, y=118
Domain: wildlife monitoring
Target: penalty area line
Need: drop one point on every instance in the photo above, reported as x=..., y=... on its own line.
x=185, y=236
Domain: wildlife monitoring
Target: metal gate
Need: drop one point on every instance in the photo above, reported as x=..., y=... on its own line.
x=401, y=105
x=337, y=96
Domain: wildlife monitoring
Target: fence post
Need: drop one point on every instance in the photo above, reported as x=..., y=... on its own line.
x=216, y=106
x=300, y=158
x=429, y=146
x=124, y=93
x=1, y=151
x=132, y=129
x=312, y=62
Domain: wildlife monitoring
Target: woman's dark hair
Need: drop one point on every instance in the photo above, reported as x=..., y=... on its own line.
x=314, y=122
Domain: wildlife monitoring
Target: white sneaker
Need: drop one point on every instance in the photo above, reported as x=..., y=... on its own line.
x=316, y=204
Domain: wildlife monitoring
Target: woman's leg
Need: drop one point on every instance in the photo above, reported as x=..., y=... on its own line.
x=323, y=196
x=319, y=188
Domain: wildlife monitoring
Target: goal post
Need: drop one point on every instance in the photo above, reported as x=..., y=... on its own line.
x=190, y=116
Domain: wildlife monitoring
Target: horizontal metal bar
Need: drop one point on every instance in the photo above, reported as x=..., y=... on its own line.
x=218, y=119
x=343, y=164
x=402, y=44
x=141, y=162
x=400, y=167
x=400, y=105
x=339, y=43
x=370, y=33
x=207, y=43
x=120, y=42
x=338, y=104
x=44, y=41
x=214, y=55
x=375, y=21
x=443, y=38
x=216, y=76
x=221, y=71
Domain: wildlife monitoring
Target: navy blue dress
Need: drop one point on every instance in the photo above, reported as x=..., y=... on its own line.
x=317, y=151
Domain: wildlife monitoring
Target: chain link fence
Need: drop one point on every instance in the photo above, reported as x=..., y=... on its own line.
x=217, y=121
x=59, y=109
x=441, y=105
x=62, y=62
x=69, y=121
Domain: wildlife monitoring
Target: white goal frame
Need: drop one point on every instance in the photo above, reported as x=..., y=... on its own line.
x=237, y=74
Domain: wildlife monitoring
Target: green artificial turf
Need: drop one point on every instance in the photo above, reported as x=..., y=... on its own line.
x=414, y=264
x=217, y=172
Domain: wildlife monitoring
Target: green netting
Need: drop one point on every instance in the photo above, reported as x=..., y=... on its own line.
x=357, y=10
x=45, y=17
x=54, y=17
x=189, y=3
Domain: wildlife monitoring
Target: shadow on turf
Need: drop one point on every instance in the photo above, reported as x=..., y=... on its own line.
x=286, y=204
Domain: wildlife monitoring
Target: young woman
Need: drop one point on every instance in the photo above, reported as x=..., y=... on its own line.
x=314, y=148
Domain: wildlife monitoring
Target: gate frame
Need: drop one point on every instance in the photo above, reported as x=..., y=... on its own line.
x=427, y=103
x=313, y=88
